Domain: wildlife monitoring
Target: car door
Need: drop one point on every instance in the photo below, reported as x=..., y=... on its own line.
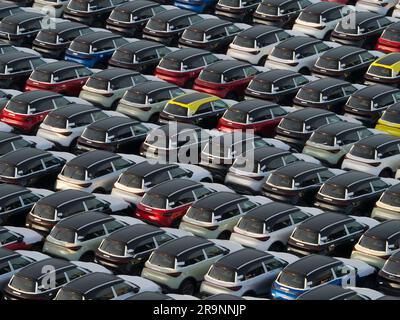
x=273, y=267
x=143, y=249
x=197, y=265
x=90, y=241
x=337, y=242
x=180, y=204
x=254, y=279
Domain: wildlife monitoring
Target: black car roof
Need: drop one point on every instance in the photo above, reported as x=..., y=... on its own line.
x=58, y=65
x=252, y=104
x=7, y=190
x=258, y=30
x=395, y=26
x=377, y=140
x=133, y=232
x=12, y=56
x=342, y=51
x=140, y=45
x=90, y=281
x=145, y=168
x=326, y=292
x=325, y=83
x=34, y=271
x=179, y=246
x=321, y=7
x=270, y=210
x=111, y=122
x=132, y=6
x=348, y=178
x=362, y=16
x=87, y=159
x=34, y=95
x=218, y=199
x=95, y=36
x=172, y=14
x=307, y=265
x=267, y=152
x=296, y=42
x=60, y=27
x=58, y=198
x=390, y=59
x=112, y=73
x=21, y=17
x=209, y=24
x=82, y=220
x=21, y=155
x=150, y=86
x=394, y=107
x=298, y=168
x=238, y=259
x=334, y=129
x=325, y=220
x=224, y=65
x=186, y=53
x=170, y=187
x=384, y=230
x=72, y=109
x=307, y=113
x=273, y=75
x=371, y=92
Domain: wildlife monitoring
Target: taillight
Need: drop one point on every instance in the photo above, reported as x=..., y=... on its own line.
x=167, y=213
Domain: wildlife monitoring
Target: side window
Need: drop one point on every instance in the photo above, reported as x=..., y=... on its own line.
x=284, y=84
x=305, y=52
x=300, y=80
x=121, y=164
x=254, y=271
x=260, y=115
x=103, y=45
x=309, y=180
x=273, y=264
x=289, y=7
x=336, y=93
x=162, y=51
x=51, y=161
x=278, y=112
x=113, y=226
x=388, y=151
x=180, y=23
x=82, y=120
x=29, y=198
x=336, y=233
x=384, y=100
x=379, y=185
x=348, y=90
x=58, y=102
x=250, y=71
x=64, y=75
x=94, y=232
x=145, y=245
x=193, y=63
x=325, y=175
x=123, y=288
x=123, y=133
x=267, y=39
x=18, y=263
x=105, y=294
x=183, y=199
x=61, y=279
x=71, y=209
x=215, y=34
x=299, y=216
x=354, y=227
x=158, y=178
x=351, y=61
x=5, y=267
x=121, y=82
x=74, y=273
x=219, y=105
x=281, y=223
x=201, y=192
x=321, y=47
x=163, y=238
x=103, y=170
x=21, y=65
x=275, y=163
x=147, y=55
x=31, y=26
x=232, y=29
x=32, y=167
x=145, y=14
x=332, y=15
x=383, y=22
x=12, y=204
x=195, y=257
x=230, y=212
x=247, y=205
x=363, y=133
x=206, y=107
x=323, y=277
x=283, y=35
x=370, y=26
x=177, y=173
x=93, y=204
x=210, y=58
x=347, y=138
x=234, y=75
x=83, y=72
x=367, y=57
x=160, y=96
x=213, y=251
x=362, y=189
x=139, y=130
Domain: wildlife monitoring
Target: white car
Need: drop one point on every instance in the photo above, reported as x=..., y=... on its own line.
x=319, y=19
x=377, y=6
x=298, y=53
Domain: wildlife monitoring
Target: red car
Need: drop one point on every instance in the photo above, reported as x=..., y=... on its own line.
x=258, y=115
x=15, y=238
x=182, y=66
x=389, y=41
x=27, y=110
x=226, y=79
x=62, y=76
x=166, y=203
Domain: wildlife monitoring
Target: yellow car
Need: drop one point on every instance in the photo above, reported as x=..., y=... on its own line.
x=384, y=70
x=390, y=120
x=197, y=108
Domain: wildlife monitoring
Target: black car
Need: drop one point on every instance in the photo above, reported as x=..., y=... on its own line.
x=166, y=27
x=327, y=93
x=213, y=35
x=296, y=183
x=53, y=42
x=90, y=12
x=280, y=86
x=48, y=210
x=236, y=10
x=345, y=62
x=11, y=141
x=30, y=167
x=296, y=127
x=368, y=104
x=20, y=29
x=364, y=31
x=8, y=8
x=115, y=134
x=330, y=233
x=142, y=56
x=130, y=18
x=352, y=192
x=388, y=279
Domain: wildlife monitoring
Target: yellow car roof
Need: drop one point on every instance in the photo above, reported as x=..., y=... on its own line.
x=193, y=101
x=391, y=61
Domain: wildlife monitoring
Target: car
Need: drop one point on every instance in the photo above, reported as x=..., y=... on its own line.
x=385, y=7
x=315, y=270
x=329, y=233
x=63, y=126
x=29, y=282
x=138, y=179
x=27, y=110
x=21, y=28
x=6, y=95
x=278, y=85
x=127, y=249
x=53, y=42
x=221, y=151
x=297, y=53
x=77, y=237
x=389, y=121
x=347, y=63
x=251, y=169
x=17, y=238
x=196, y=6
x=236, y=10
x=90, y=12
x=279, y=13
x=196, y=108
x=296, y=127
x=167, y=202
x=378, y=243
x=388, y=276
x=105, y=88
x=246, y=272
x=53, y=8
x=9, y=48
x=182, y=67
x=257, y=115
x=103, y=286
x=94, y=171
x=213, y=35
x=268, y=227
x=167, y=26
x=145, y=101
x=11, y=142
x=16, y=67
x=387, y=206
x=364, y=31
x=378, y=154
x=29, y=166
x=8, y=8
x=332, y=292
x=226, y=79
x=180, y=265
x=297, y=182
x=63, y=77
x=389, y=40
x=129, y=18
x=161, y=296
x=115, y=134
x=330, y=143
x=368, y=104
x=384, y=70
x=319, y=19
x=254, y=44
x=142, y=56
x=94, y=49
x=214, y=216
x=47, y=211
x=176, y=142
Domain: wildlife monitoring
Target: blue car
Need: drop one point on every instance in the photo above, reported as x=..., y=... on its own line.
x=198, y=6
x=94, y=49
x=314, y=270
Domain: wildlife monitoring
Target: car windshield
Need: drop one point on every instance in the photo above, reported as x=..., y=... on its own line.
x=327, y=63
x=170, y=64
x=80, y=46
x=392, y=266
x=373, y=243
x=333, y=191
x=7, y=170
x=391, y=34
x=193, y=34
x=154, y=200
x=363, y=151
x=292, y=125
x=162, y=259
x=210, y=76
x=268, y=8
x=252, y=225
x=113, y=247
x=236, y=115
x=63, y=234
x=322, y=138
x=23, y=284
x=157, y=24
x=391, y=198
x=260, y=85
x=391, y=116
x=65, y=294
x=96, y=83
x=304, y=235
x=380, y=71
x=291, y=279
x=74, y=172
x=280, y=180
x=230, y=3
x=94, y=135
x=17, y=106
x=359, y=103
x=78, y=5
x=200, y=214
x=309, y=16
x=245, y=42
x=55, y=121
x=44, y=211
x=176, y=110
x=282, y=53
x=222, y=273
x=131, y=180
x=309, y=94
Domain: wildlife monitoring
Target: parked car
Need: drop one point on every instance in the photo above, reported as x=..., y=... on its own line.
x=11, y=142
x=389, y=121
x=236, y=10
x=389, y=40
x=16, y=238
x=385, y=7
x=196, y=6
x=6, y=95
x=8, y=8
x=384, y=70
x=387, y=207
x=388, y=276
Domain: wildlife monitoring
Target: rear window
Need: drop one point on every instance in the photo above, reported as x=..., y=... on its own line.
x=23, y=284
x=333, y=191
x=44, y=211
x=308, y=16
x=291, y=280
x=116, y=248
x=121, y=15
x=282, y=53
x=307, y=236
x=230, y=3
x=17, y=106
x=250, y=224
x=41, y=76
x=260, y=85
x=200, y=214
x=222, y=273
x=373, y=243
x=359, y=103
x=170, y=64
x=96, y=83
x=322, y=138
x=94, y=135
x=244, y=42
x=380, y=71
x=162, y=259
x=131, y=180
x=74, y=172
x=80, y=47
x=268, y=8
x=210, y=76
x=292, y=125
x=154, y=201
x=123, y=56
x=391, y=116
x=236, y=115
x=78, y=5
x=7, y=170
x=156, y=24
x=56, y=122
x=308, y=94
x=63, y=234
x=391, y=198
x=192, y=34
x=363, y=151
x=176, y=110
x=392, y=266
x=8, y=27
x=65, y=294
x=280, y=180
x=327, y=63
x=391, y=34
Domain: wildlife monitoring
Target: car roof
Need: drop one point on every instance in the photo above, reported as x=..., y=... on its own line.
x=134, y=232
x=177, y=128
x=326, y=292
x=225, y=65
x=90, y=281
x=262, y=153
x=298, y=168
x=307, y=265
x=34, y=271
x=8, y=5
x=179, y=246
x=21, y=155
x=362, y=16
x=73, y=109
x=34, y=95
x=384, y=230
x=95, y=36
x=307, y=113
x=258, y=30
x=348, y=178
x=90, y=158
x=194, y=97
x=296, y=42
x=342, y=51
x=324, y=84
x=378, y=140
x=7, y=190
x=150, y=86
x=389, y=59
x=219, y=199
x=145, y=168
x=252, y=104
x=186, y=53
x=271, y=210
x=131, y=6
x=242, y=257
x=209, y=24
x=168, y=188
x=323, y=221
x=58, y=65
x=373, y=91
x=149, y=295
x=6, y=254
x=110, y=74
x=336, y=128
x=60, y=27
x=172, y=14
x=139, y=45
x=60, y=197
x=321, y=7
x=21, y=17
x=83, y=220
x=109, y=123
x=275, y=74
x=13, y=56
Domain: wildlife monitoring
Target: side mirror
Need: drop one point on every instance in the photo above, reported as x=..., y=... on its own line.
x=324, y=20
x=60, y=214
x=20, y=238
x=298, y=56
x=308, y=127
x=297, y=184
x=379, y=155
x=324, y=98
x=180, y=264
x=323, y=239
